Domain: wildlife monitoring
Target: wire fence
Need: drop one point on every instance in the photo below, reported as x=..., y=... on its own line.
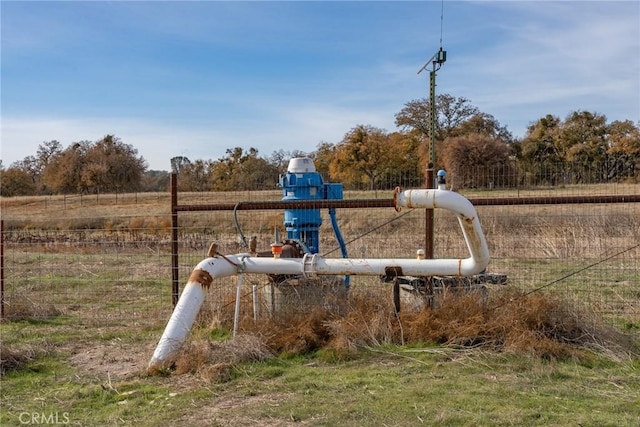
x=107, y=261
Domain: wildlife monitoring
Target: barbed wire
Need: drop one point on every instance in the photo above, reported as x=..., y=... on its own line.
x=566, y=276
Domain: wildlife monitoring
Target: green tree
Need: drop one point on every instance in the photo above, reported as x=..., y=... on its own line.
x=15, y=181
x=322, y=157
x=195, y=176
x=45, y=153
x=240, y=170
x=540, y=148
x=104, y=166
x=623, y=150
x=456, y=117
x=477, y=161
x=583, y=142
x=64, y=170
x=408, y=169
x=112, y=165
x=225, y=169
x=364, y=155
x=257, y=173
x=155, y=180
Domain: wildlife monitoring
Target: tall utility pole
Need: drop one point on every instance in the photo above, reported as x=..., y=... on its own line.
x=436, y=60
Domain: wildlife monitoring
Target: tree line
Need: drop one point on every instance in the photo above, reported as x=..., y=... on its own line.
x=582, y=148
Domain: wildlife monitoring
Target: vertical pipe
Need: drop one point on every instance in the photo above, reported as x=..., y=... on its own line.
x=236, y=315
x=255, y=302
x=396, y=295
x=429, y=218
x=343, y=246
x=175, y=285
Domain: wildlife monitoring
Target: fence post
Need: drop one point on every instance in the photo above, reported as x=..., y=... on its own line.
x=175, y=286
x=429, y=215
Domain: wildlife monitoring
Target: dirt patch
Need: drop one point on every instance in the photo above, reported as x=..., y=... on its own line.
x=113, y=359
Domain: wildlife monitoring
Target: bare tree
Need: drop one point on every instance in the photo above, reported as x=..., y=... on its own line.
x=451, y=113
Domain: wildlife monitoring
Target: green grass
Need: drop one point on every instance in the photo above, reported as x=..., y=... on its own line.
x=437, y=387
x=382, y=386
x=51, y=386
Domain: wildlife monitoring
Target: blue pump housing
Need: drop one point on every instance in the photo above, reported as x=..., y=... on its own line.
x=302, y=182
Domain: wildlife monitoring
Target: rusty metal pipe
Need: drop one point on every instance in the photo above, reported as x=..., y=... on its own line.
x=288, y=204
x=389, y=203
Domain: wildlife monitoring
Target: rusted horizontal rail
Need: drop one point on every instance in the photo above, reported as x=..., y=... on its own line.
x=555, y=200
x=289, y=204
x=388, y=203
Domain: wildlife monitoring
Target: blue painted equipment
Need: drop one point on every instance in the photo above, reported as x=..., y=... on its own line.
x=303, y=182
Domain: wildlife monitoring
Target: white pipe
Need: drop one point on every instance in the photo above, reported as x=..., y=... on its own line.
x=254, y=294
x=467, y=218
x=223, y=266
x=179, y=325
x=187, y=308
x=236, y=315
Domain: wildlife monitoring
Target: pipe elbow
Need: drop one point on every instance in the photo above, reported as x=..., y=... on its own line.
x=215, y=268
x=472, y=266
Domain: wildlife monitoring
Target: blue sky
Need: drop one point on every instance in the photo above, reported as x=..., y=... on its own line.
x=197, y=78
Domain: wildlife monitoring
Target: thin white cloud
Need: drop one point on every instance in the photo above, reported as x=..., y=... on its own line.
x=297, y=127
x=299, y=74
x=556, y=58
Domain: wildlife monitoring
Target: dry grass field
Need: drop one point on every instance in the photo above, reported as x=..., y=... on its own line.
x=88, y=292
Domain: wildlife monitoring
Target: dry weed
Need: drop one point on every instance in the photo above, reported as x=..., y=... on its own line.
x=14, y=358
x=21, y=307
x=534, y=325
x=214, y=361
x=507, y=320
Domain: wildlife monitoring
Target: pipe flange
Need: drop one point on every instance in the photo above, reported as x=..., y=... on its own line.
x=308, y=265
x=396, y=193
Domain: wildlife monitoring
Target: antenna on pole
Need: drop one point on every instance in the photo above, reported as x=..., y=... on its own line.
x=441, y=21
x=436, y=61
